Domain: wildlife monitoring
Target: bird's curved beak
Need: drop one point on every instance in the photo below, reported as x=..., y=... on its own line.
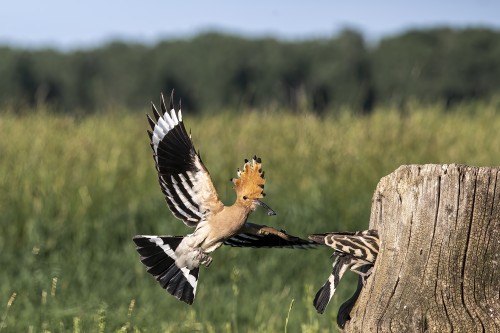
x=270, y=212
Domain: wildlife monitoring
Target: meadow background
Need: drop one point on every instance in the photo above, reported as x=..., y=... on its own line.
x=75, y=189
x=329, y=114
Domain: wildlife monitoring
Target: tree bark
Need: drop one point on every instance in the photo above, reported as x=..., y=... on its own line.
x=438, y=265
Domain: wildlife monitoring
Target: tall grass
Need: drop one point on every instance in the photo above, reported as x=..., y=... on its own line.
x=73, y=192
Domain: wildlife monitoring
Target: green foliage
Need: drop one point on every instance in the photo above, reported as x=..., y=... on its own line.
x=214, y=71
x=73, y=192
x=442, y=65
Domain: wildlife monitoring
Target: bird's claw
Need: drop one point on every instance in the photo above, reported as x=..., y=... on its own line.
x=263, y=231
x=204, y=258
x=365, y=276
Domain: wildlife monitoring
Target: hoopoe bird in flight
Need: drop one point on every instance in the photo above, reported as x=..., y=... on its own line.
x=356, y=251
x=190, y=194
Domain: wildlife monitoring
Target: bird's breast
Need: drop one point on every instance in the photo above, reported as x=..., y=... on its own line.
x=228, y=222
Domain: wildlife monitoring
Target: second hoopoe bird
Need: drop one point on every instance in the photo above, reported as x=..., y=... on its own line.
x=356, y=251
x=185, y=181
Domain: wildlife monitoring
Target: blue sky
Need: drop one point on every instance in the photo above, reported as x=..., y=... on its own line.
x=70, y=24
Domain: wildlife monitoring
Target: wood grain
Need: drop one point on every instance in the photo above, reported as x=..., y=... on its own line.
x=438, y=269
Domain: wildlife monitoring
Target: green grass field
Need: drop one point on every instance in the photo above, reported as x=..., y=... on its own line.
x=74, y=191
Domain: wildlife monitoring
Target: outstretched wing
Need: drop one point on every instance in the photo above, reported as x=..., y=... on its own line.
x=257, y=236
x=183, y=177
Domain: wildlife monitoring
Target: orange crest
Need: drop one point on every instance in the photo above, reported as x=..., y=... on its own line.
x=250, y=184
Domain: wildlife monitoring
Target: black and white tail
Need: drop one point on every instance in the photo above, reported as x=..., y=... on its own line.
x=158, y=255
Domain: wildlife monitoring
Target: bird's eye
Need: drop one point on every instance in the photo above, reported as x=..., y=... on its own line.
x=245, y=197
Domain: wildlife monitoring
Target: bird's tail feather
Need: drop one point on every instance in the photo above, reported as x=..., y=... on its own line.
x=158, y=255
x=325, y=293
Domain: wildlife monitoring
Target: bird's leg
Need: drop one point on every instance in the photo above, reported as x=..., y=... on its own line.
x=204, y=258
x=364, y=275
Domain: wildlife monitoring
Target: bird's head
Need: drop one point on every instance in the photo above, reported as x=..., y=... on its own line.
x=249, y=185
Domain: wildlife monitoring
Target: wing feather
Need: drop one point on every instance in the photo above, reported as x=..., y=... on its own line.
x=183, y=178
x=260, y=236
x=356, y=251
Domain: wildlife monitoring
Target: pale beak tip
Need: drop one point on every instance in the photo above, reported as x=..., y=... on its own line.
x=270, y=212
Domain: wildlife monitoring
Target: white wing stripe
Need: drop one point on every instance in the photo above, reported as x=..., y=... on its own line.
x=169, y=120
x=185, y=184
x=156, y=140
x=174, y=117
x=190, y=203
x=183, y=199
x=170, y=196
x=174, y=195
x=163, y=125
x=159, y=132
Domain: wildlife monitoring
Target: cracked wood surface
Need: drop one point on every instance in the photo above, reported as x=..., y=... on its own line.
x=438, y=268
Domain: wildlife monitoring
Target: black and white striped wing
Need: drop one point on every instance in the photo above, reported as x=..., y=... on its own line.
x=260, y=236
x=341, y=264
x=362, y=245
x=356, y=251
x=183, y=177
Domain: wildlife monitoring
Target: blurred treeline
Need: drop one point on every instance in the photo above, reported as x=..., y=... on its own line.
x=214, y=71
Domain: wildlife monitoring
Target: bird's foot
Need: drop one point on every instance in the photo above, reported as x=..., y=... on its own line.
x=266, y=231
x=204, y=258
x=365, y=275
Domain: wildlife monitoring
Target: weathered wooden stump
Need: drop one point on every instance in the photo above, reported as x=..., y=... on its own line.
x=438, y=268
